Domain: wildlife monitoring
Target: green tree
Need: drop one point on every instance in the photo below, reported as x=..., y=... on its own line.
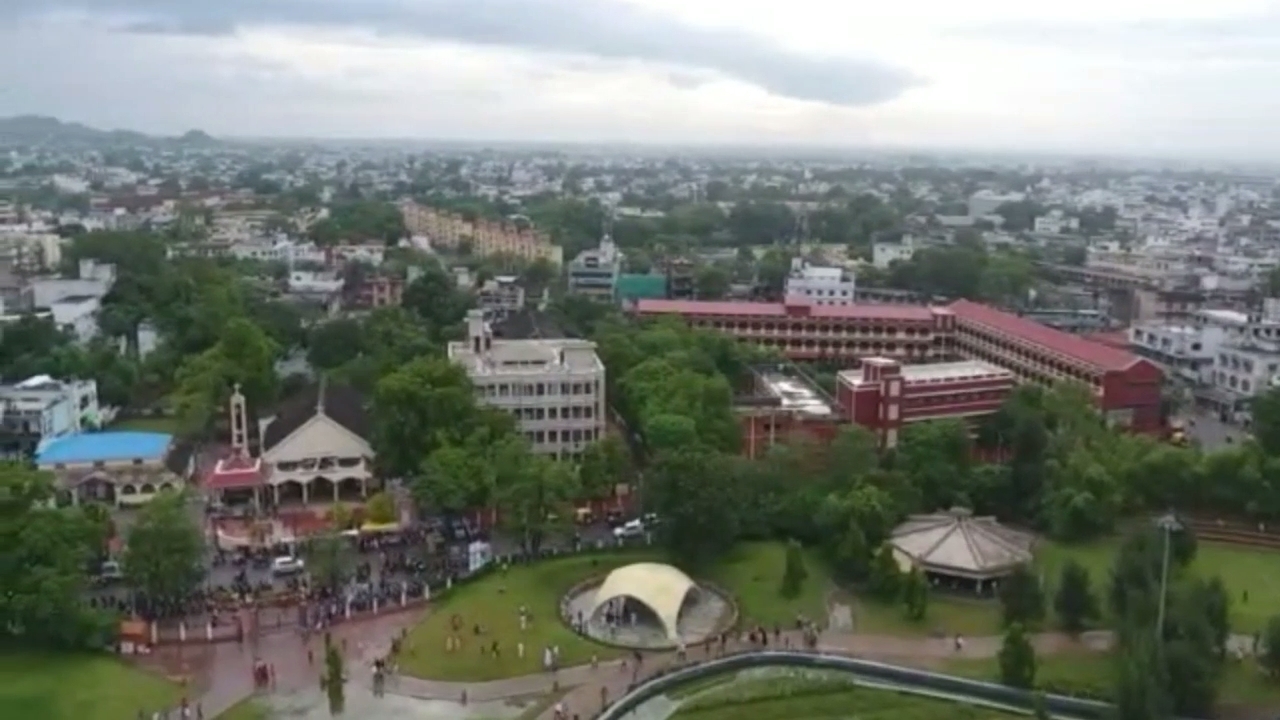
x=427, y=404
x=712, y=282
x=793, y=571
x=332, y=344
x=164, y=554
x=244, y=356
x=1269, y=647
x=1021, y=598
x=534, y=493
x=330, y=560
x=1017, y=659
x=605, y=464
x=334, y=678
x=915, y=595
x=697, y=501
x=1075, y=603
x=43, y=554
x=886, y=577
x=1266, y=420
x=381, y=509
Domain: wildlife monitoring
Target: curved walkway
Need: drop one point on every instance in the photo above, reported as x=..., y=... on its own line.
x=589, y=689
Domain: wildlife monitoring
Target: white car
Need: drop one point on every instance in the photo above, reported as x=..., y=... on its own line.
x=629, y=529
x=287, y=565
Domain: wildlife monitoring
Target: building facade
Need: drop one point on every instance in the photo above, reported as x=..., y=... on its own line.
x=595, y=272
x=802, y=330
x=500, y=296
x=117, y=468
x=822, y=285
x=554, y=388
x=41, y=409
x=884, y=395
x=1127, y=388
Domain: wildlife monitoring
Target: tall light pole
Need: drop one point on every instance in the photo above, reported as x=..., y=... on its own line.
x=1169, y=524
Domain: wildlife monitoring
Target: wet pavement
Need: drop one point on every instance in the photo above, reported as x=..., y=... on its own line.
x=221, y=674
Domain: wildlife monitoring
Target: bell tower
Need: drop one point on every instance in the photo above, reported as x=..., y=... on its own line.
x=239, y=423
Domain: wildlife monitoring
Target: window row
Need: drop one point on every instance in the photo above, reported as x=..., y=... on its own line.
x=538, y=437
x=568, y=412
x=538, y=389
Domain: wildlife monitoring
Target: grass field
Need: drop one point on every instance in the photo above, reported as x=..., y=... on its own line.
x=151, y=424
x=817, y=696
x=1241, y=569
x=79, y=687
x=947, y=615
x=1091, y=674
x=248, y=709
x=752, y=574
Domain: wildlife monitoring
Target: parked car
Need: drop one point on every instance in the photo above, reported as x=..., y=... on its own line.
x=629, y=529
x=287, y=565
x=109, y=572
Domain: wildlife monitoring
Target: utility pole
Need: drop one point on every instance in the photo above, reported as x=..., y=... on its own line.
x=1169, y=524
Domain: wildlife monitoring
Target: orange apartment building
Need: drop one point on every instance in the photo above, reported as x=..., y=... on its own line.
x=449, y=231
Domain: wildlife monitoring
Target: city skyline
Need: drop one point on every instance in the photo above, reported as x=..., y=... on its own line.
x=1138, y=78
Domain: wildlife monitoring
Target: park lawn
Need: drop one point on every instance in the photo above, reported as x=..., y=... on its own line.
x=819, y=696
x=1241, y=568
x=1091, y=674
x=946, y=615
x=147, y=424
x=247, y=709
x=494, y=603
x=752, y=573
x=79, y=687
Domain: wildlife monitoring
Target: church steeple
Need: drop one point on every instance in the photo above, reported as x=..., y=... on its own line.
x=239, y=423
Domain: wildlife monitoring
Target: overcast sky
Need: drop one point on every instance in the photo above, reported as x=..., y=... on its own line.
x=1176, y=77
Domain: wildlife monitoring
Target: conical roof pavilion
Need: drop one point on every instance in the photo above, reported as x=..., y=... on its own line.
x=957, y=544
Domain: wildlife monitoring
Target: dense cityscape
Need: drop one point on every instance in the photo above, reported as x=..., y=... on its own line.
x=552, y=432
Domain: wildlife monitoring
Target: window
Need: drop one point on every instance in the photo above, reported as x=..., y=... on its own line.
x=542, y=389
x=587, y=411
x=539, y=436
x=551, y=413
x=552, y=436
x=504, y=390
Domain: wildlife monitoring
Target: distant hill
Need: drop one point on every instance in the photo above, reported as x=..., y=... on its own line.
x=31, y=130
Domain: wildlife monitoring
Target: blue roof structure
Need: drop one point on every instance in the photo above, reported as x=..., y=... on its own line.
x=105, y=447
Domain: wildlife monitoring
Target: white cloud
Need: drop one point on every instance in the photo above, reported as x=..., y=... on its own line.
x=997, y=75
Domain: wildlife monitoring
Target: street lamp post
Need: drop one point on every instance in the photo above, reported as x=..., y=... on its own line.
x=1169, y=524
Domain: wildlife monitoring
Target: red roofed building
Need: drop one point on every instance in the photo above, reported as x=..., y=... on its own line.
x=802, y=330
x=1126, y=387
x=884, y=395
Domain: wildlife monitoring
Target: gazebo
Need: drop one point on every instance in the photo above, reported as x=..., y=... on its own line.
x=958, y=546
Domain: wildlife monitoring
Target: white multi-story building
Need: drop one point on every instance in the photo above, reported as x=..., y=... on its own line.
x=554, y=388
x=884, y=254
x=985, y=202
x=500, y=296
x=822, y=285
x=1055, y=222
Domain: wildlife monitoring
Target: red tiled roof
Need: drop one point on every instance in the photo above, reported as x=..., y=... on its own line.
x=1077, y=348
x=868, y=311
x=235, y=473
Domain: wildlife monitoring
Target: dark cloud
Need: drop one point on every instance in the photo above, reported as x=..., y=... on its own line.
x=608, y=30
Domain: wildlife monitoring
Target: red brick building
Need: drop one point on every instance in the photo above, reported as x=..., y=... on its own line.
x=783, y=405
x=884, y=395
x=804, y=331
x=1126, y=387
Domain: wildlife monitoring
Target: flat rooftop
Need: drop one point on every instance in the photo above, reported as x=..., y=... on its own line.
x=105, y=447
x=795, y=394
x=528, y=356
x=938, y=372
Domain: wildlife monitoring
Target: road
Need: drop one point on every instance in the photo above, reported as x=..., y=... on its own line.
x=1212, y=434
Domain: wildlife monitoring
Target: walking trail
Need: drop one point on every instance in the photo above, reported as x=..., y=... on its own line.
x=589, y=689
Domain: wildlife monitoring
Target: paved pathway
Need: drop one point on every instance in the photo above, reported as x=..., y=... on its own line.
x=222, y=672
x=585, y=698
